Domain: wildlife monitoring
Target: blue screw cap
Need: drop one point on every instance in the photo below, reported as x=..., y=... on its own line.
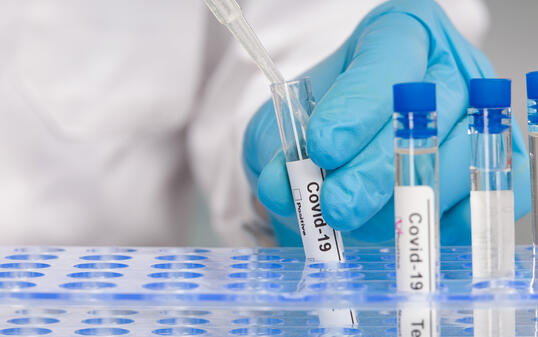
x=490, y=93
x=414, y=97
x=413, y=103
x=532, y=85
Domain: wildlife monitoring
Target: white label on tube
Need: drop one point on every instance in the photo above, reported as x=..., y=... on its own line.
x=494, y=322
x=336, y=317
x=321, y=242
x=492, y=229
x=416, y=246
x=418, y=322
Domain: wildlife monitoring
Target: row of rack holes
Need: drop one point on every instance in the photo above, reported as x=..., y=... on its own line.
x=250, y=285
x=251, y=265
x=258, y=321
x=269, y=321
x=176, y=331
x=351, y=252
x=107, y=250
x=179, y=331
x=104, y=257
x=187, y=265
x=184, y=317
x=191, y=275
x=348, y=258
x=93, y=285
x=175, y=312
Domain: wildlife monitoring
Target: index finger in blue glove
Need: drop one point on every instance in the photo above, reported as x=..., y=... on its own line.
x=394, y=48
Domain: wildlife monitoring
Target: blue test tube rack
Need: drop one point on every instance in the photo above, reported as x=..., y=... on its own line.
x=74, y=291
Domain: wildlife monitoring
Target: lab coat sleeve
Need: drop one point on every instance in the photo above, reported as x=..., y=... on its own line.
x=298, y=35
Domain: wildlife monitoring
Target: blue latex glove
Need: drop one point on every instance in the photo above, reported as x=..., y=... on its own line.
x=350, y=132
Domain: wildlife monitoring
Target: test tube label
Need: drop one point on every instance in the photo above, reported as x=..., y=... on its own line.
x=492, y=233
x=321, y=242
x=336, y=317
x=421, y=322
x=494, y=322
x=416, y=251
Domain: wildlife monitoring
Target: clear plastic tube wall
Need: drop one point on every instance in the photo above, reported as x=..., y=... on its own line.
x=532, y=118
x=416, y=203
x=416, y=196
x=492, y=198
x=294, y=102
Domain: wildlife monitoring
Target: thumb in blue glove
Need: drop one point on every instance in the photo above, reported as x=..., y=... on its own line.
x=350, y=132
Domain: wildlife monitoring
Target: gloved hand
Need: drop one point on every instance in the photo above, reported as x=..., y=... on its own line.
x=350, y=133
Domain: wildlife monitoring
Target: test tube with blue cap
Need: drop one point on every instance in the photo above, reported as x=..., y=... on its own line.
x=416, y=200
x=532, y=118
x=416, y=187
x=492, y=198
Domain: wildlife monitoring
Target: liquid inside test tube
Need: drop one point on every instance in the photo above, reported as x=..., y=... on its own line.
x=492, y=198
x=294, y=102
x=416, y=204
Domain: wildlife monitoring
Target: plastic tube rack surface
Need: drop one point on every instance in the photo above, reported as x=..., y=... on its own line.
x=64, y=291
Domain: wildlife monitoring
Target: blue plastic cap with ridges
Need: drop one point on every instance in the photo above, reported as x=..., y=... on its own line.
x=489, y=93
x=414, y=100
x=414, y=97
x=532, y=85
x=492, y=122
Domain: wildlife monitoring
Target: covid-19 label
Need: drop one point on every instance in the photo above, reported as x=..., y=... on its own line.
x=416, y=243
x=321, y=242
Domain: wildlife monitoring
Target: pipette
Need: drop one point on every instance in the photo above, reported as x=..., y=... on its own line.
x=230, y=15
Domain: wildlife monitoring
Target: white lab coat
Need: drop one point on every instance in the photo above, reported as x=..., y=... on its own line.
x=114, y=110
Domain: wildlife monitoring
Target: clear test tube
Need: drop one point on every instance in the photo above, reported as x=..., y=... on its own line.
x=492, y=198
x=532, y=124
x=532, y=118
x=416, y=200
x=416, y=195
x=294, y=102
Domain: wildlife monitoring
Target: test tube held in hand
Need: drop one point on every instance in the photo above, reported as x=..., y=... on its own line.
x=294, y=102
x=320, y=241
x=416, y=200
